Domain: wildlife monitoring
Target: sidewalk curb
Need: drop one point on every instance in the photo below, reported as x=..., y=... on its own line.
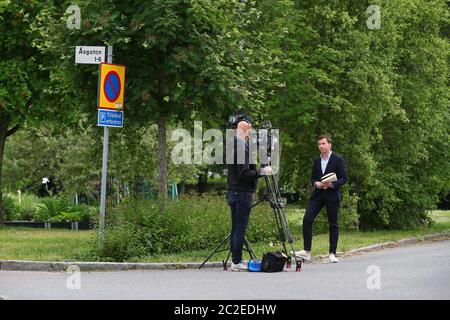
x=48, y=266
x=381, y=246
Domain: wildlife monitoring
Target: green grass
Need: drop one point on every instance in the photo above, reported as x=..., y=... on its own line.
x=440, y=215
x=66, y=245
x=42, y=245
x=347, y=242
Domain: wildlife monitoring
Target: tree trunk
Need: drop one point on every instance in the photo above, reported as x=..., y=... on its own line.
x=202, y=186
x=162, y=166
x=4, y=123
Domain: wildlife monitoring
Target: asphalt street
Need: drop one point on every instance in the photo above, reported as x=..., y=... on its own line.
x=420, y=271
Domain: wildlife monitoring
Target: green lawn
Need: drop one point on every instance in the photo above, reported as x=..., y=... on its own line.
x=347, y=242
x=440, y=215
x=41, y=244
x=66, y=245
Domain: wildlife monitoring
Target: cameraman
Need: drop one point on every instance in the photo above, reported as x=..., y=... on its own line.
x=242, y=180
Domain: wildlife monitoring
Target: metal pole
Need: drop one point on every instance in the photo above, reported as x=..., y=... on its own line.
x=104, y=169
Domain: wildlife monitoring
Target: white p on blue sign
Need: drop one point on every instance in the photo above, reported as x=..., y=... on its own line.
x=110, y=118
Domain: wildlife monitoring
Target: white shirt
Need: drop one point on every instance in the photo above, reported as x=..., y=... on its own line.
x=324, y=162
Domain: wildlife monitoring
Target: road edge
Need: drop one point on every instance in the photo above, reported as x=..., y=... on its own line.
x=48, y=266
x=386, y=245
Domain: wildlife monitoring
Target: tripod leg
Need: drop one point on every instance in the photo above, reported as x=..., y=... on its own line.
x=225, y=268
x=280, y=218
x=215, y=250
x=250, y=250
x=298, y=261
x=288, y=264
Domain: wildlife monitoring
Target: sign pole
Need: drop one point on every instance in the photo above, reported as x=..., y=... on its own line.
x=104, y=169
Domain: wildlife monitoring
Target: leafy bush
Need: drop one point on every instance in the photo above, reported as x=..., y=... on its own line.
x=10, y=208
x=23, y=209
x=348, y=215
x=138, y=228
x=66, y=217
x=52, y=207
x=77, y=213
x=30, y=205
x=84, y=212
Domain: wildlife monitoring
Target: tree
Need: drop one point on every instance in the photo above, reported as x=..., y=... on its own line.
x=373, y=90
x=184, y=59
x=23, y=76
x=66, y=157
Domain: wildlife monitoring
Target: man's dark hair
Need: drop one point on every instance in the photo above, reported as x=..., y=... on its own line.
x=324, y=136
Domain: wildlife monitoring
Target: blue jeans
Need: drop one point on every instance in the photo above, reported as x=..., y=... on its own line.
x=240, y=203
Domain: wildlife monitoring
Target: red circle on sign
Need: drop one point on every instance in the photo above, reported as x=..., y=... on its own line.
x=111, y=86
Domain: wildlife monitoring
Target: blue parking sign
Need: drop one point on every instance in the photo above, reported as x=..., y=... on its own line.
x=110, y=118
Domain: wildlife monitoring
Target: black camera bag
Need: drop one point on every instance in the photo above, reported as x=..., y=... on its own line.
x=273, y=262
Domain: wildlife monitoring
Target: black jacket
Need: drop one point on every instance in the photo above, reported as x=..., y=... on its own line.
x=337, y=165
x=241, y=177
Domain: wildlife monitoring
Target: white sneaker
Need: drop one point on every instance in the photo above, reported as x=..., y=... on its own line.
x=303, y=254
x=333, y=258
x=239, y=267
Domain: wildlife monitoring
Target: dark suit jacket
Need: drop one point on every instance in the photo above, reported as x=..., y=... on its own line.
x=337, y=165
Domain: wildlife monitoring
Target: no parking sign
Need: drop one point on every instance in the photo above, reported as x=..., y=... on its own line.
x=111, y=86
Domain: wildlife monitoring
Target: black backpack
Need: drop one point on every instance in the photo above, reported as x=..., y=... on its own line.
x=273, y=262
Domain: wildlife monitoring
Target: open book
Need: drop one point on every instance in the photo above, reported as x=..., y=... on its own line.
x=330, y=177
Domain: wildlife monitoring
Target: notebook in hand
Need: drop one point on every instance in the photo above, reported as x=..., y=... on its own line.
x=330, y=177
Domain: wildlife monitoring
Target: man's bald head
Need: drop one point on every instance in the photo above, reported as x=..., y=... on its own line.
x=243, y=129
x=244, y=125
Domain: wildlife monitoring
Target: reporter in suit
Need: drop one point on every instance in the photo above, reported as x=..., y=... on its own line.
x=326, y=195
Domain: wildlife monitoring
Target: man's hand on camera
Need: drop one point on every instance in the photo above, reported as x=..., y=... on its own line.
x=265, y=171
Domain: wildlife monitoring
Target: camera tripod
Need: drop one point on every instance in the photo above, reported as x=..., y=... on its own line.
x=284, y=232
x=247, y=248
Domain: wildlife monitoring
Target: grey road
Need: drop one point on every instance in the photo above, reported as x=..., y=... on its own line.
x=416, y=272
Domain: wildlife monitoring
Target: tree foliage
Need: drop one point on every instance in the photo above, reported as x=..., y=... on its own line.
x=24, y=76
x=311, y=66
x=382, y=94
x=184, y=58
